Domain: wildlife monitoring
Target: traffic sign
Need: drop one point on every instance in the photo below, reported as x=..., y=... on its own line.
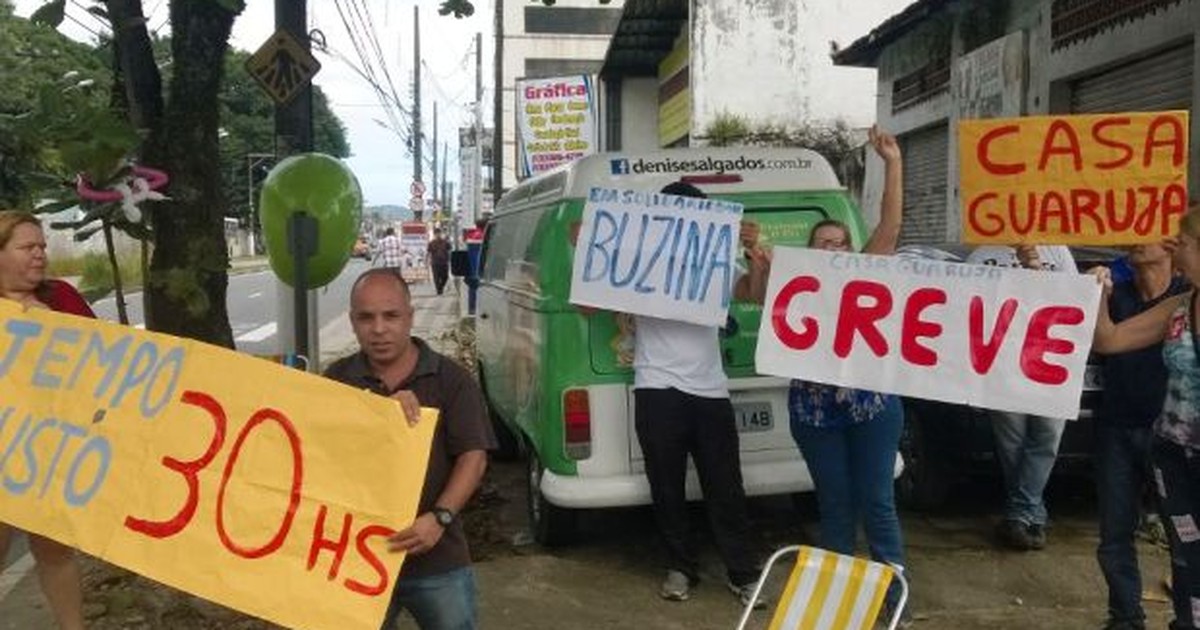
x=417, y=189
x=416, y=204
x=282, y=66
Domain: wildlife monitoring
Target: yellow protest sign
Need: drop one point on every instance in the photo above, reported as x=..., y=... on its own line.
x=259, y=487
x=1103, y=179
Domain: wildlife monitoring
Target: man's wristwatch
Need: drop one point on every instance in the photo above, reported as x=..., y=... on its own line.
x=444, y=517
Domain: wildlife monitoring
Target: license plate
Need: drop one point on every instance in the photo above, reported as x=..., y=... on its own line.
x=753, y=417
x=1092, y=379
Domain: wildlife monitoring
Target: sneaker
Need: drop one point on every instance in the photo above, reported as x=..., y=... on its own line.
x=676, y=588
x=1124, y=624
x=1037, y=537
x=745, y=592
x=1016, y=535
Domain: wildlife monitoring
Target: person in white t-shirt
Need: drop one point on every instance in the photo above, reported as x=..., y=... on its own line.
x=682, y=408
x=1026, y=444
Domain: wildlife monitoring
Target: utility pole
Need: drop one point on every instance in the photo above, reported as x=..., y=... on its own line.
x=498, y=108
x=293, y=134
x=477, y=162
x=433, y=176
x=416, y=134
x=446, y=201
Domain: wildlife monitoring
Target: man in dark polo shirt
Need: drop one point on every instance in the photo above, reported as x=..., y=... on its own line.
x=436, y=585
x=1135, y=384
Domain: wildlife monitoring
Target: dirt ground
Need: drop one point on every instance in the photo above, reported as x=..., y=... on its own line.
x=609, y=578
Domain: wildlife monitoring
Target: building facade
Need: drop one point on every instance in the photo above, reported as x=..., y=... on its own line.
x=539, y=41
x=941, y=61
x=678, y=70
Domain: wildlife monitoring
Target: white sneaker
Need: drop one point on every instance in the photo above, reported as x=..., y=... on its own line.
x=745, y=592
x=677, y=587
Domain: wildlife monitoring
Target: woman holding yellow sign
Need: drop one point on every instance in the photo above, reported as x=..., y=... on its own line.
x=23, y=279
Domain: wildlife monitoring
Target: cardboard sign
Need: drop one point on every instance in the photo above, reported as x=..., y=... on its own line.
x=1007, y=339
x=659, y=255
x=1104, y=179
x=256, y=486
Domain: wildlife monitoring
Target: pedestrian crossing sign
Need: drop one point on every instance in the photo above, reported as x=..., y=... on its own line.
x=282, y=66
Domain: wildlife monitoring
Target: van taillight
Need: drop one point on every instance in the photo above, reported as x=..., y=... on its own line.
x=577, y=424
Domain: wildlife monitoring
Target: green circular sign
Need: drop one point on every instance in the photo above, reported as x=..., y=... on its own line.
x=325, y=189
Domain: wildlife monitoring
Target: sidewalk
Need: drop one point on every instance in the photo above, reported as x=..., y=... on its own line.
x=22, y=606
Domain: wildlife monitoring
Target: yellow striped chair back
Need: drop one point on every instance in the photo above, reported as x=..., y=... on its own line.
x=829, y=591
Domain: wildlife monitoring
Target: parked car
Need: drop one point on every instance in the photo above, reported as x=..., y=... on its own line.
x=943, y=442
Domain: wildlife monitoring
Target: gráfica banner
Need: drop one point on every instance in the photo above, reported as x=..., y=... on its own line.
x=556, y=122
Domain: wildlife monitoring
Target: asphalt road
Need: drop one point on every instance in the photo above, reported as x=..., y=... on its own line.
x=253, y=306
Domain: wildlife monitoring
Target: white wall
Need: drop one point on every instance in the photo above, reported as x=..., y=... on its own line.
x=769, y=60
x=639, y=130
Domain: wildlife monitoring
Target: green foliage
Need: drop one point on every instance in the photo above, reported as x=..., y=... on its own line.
x=95, y=272
x=35, y=143
x=248, y=126
x=727, y=130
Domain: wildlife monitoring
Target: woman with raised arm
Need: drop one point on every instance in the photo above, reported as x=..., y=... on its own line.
x=849, y=437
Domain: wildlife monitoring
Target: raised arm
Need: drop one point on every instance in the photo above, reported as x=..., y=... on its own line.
x=887, y=233
x=1135, y=333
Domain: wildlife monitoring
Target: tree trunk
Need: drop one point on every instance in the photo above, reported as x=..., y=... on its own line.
x=187, y=283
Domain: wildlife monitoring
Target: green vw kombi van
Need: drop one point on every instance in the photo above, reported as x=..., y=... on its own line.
x=560, y=381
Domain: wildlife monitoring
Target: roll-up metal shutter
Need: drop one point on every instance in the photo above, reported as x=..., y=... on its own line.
x=1155, y=83
x=925, y=162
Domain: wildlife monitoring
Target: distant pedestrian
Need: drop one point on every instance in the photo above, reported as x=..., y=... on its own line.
x=391, y=254
x=438, y=254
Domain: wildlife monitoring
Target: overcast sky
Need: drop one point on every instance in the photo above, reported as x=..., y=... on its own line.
x=380, y=160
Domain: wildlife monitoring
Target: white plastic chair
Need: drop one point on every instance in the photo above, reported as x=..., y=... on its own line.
x=830, y=591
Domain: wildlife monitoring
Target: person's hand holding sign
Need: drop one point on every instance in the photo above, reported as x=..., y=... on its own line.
x=411, y=406
x=421, y=536
x=753, y=287
x=1028, y=256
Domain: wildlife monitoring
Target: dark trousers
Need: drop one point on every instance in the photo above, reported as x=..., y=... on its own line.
x=1177, y=477
x=1122, y=472
x=441, y=274
x=670, y=426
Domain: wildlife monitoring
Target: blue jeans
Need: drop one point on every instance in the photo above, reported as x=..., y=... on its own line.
x=1122, y=472
x=853, y=467
x=445, y=601
x=1026, y=446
